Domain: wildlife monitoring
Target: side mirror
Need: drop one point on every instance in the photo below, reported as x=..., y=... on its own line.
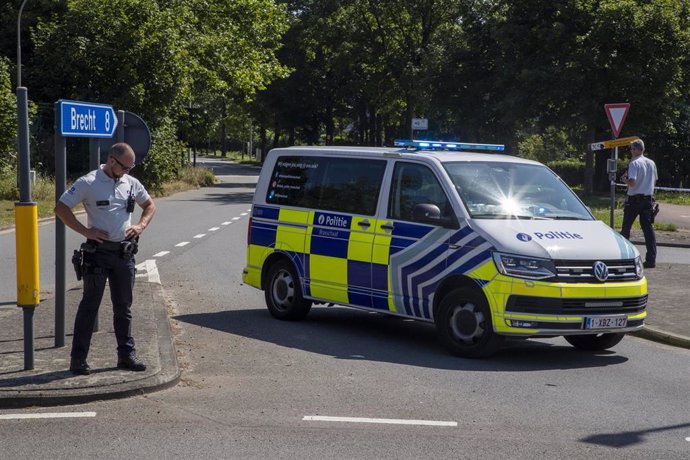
x=428, y=213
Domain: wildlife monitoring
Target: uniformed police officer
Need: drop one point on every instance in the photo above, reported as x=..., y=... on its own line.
x=640, y=179
x=108, y=195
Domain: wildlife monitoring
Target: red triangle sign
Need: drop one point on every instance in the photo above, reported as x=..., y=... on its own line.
x=616, y=114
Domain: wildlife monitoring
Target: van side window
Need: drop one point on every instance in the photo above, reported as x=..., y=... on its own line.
x=349, y=185
x=415, y=184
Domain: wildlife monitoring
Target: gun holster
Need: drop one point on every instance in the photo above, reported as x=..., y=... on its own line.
x=130, y=248
x=78, y=259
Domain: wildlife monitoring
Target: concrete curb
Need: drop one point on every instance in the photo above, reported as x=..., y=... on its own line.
x=167, y=377
x=664, y=244
x=657, y=335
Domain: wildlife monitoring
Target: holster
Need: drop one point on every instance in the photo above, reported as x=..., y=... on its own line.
x=78, y=259
x=129, y=248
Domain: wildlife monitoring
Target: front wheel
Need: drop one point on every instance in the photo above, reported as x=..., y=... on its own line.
x=464, y=324
x=594, y=342
x=284, y=293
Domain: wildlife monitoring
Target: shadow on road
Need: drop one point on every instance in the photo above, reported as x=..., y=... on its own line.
x=348, y=334
x=628, y=438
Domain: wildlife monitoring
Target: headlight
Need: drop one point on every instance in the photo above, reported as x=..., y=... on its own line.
x=524, y=267
x=639, y=271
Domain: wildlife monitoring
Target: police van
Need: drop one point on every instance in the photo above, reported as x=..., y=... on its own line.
x=484, y=245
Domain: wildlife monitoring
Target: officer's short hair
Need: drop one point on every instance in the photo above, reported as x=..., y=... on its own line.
x=120, y=149
x=637, y=144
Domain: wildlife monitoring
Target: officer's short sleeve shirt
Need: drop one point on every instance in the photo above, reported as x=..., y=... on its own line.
x=643, y=171
x=105, y=200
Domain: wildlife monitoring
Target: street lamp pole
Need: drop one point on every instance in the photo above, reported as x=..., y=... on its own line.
x=26, y=216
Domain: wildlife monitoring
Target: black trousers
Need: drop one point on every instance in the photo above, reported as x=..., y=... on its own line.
x=640, y=205
x=105, y=266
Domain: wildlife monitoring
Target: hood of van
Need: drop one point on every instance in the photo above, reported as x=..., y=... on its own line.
x=557, y=239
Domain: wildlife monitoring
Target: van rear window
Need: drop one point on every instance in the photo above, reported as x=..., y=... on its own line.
x=350, y=185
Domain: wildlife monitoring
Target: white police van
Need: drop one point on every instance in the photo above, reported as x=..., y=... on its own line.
x=484, y=245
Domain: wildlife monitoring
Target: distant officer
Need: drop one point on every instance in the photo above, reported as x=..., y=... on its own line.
x=640, y=179
x=108, y=194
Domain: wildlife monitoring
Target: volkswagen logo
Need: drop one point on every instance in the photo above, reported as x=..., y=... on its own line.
x=601, y=271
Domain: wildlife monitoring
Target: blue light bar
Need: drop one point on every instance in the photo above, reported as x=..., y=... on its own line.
x=453, y=146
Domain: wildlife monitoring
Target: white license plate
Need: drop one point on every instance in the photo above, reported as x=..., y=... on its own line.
x=606, y=322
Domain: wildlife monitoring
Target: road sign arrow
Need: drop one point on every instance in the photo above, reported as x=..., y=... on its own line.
x=622, y=142
x=86, y=119
x=616, y=114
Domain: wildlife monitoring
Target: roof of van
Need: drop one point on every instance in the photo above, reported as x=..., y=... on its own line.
x=440, y=155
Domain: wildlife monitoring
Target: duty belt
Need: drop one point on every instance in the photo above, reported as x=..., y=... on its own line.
x=107, y=245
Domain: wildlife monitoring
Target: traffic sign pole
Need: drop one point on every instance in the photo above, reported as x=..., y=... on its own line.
x=616, y=113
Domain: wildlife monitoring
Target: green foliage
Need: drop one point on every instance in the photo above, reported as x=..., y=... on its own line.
x=572, y=171
x=164, y=160
x=8, y=117
x=552, y=145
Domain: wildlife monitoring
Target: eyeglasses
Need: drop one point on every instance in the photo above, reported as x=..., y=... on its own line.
x=124, y=168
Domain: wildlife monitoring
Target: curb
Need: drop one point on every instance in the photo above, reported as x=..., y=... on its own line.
x=664, y=244
x=657, y=335
x=168, y=376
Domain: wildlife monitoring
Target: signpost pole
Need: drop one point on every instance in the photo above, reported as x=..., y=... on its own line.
x=60, y=263
x=612, y=180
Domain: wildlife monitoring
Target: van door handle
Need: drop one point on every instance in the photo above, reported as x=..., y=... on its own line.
x=454, y=246
x=387, y=227
x=364, y=223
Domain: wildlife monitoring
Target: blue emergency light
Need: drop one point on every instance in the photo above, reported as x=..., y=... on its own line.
x=452, y=146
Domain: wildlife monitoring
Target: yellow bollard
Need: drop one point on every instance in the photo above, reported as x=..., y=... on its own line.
x=26, y=234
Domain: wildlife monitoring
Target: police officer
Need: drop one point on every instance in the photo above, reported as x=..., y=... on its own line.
x=640, y=179
x=108, y=195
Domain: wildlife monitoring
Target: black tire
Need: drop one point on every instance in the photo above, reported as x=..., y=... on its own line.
x=284, y=293
x=594, y=342
x=464, y=324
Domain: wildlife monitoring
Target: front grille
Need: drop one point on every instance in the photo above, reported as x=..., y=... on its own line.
x=582, y=271
x=575, y=306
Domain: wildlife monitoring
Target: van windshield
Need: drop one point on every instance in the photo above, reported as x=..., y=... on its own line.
x=494, y=190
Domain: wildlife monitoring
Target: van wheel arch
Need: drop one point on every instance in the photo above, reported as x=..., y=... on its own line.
x=271, y=260
x=451, y=283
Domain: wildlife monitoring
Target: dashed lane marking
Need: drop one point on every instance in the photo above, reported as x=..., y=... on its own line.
x=161, y=254
x=243, y=214
x=226, y=223
x=47, y=415
x=213, y=229
x=236, y=218
x=184, y=243
x=390, y=421
x=200, y=235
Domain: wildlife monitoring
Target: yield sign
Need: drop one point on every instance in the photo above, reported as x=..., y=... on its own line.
x=616, y=114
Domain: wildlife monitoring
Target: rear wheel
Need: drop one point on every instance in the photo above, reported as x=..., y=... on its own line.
x=594, y=342
x=284, y=293
x=464, y=324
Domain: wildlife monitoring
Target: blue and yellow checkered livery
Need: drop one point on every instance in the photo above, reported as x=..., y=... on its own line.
x=363, y=261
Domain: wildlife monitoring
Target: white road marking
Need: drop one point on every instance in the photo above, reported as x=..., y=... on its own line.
x=149, y=269
x=235, y=218
x=687, y=439
x=47, y=415
x=323, y=418
x=226, y=223
x=243, y=214
x=184, y=243
x=161, y=254
x=213, y=229
x=200, y=235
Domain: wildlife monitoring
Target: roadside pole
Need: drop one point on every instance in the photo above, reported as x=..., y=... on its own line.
x=616, y=113
x=26, y=217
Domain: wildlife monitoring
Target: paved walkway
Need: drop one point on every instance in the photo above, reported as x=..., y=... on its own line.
x=50, y=382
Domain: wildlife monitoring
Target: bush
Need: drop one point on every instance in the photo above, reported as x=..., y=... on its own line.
x=571, y=171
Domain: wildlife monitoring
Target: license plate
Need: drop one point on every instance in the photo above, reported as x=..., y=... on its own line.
x=606, y=322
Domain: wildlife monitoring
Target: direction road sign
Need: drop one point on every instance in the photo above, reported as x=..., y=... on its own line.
x=86, y=119
x=623, y=141
x=616, y=114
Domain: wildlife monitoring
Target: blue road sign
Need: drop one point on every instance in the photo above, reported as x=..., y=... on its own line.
x=86, y=119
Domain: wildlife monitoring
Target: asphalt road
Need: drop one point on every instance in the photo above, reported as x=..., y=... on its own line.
x=252, y=386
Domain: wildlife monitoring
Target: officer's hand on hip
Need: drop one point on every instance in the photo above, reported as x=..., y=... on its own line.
x=96, y=234
x=134, y=231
